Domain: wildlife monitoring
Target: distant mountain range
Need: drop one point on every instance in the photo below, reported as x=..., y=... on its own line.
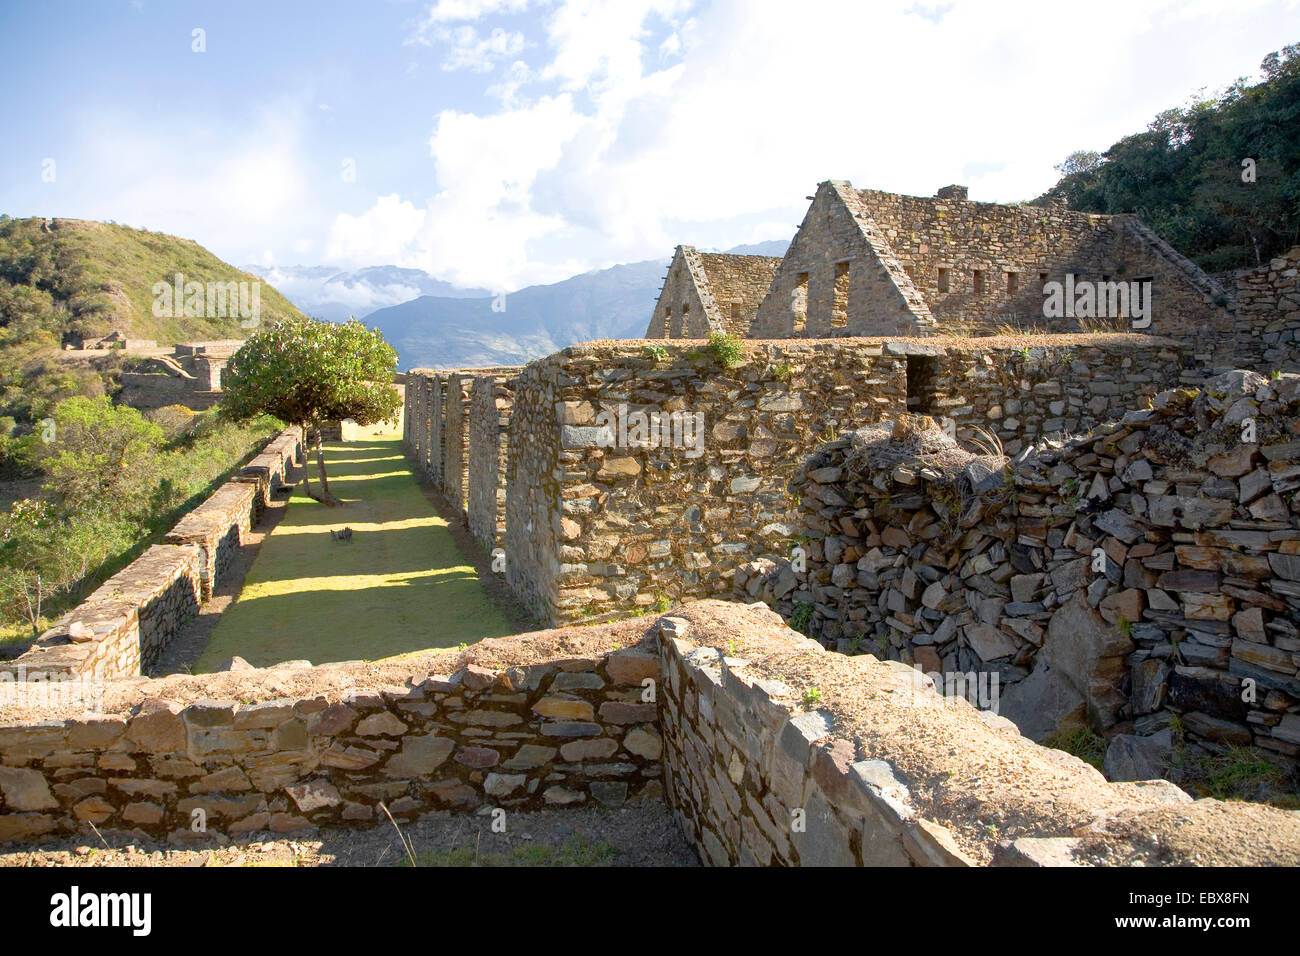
x=324, y=292
x=434, y=324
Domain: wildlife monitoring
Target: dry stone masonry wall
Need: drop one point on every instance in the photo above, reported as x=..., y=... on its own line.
x=601, y=518
x=1268, y=313
x=489, y=419
x=567, y=731
x=1024, y=389
x=121, y=629
x=878, y=770
x=604, y=523
x=1140, y=579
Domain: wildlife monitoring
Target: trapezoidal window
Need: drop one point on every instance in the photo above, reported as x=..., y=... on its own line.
x=674, y=324
x=978, y=281
x=799, y=304
x=840, y=302
x=943, y=280
x=686, y=320
x=1013, y=282
x=667, y=323
x=920, y=384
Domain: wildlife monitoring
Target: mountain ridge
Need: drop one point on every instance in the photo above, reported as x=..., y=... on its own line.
x=432, y=331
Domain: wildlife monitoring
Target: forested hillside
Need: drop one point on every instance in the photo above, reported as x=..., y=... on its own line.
x=1218, y=178
x=63, y=279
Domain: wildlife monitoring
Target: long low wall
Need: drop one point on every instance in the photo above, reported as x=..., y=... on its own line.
x=121, y=628
x=710, y=708
x=268, y=469
x=570, y=729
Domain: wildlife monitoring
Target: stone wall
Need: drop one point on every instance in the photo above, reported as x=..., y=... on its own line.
x=877, y=769
x=150, y=390
x=710, y=709
x=1026, y=388
x=123, y=625
x=599, y=521
x=1140, y=579
x=121, y=628
x=707, y=292
x=455, y=439
x=489, y=419
x=1268, y=313
x=559, y=730
x=839, y=277
x=438, y=436
x=268, y=470
x=738, y=284
x=680, y=311
x=866, y=262
x=218, y=528
x=603, y=525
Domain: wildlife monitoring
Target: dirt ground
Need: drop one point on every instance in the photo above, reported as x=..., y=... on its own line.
x=643, y=834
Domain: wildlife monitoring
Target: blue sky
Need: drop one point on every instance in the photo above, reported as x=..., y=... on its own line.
x=499, y=143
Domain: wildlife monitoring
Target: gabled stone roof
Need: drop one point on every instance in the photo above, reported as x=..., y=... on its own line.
x=875, y=236
x=726, y=278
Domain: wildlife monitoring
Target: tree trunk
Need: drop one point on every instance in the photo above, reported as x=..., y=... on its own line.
x=326, y=497
x=306, y=470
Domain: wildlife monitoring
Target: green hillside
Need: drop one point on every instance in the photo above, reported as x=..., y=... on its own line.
x=1218, y=178
x=67, y=279
x=97, y=277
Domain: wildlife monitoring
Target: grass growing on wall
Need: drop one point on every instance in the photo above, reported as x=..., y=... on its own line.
x=399, y=585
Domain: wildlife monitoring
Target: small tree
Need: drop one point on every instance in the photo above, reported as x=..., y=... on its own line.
x=98, y=456
x=309, y=373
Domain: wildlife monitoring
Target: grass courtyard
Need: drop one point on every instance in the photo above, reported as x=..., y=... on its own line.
x=401, y=584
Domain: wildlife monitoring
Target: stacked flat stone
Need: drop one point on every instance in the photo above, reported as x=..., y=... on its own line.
x=571, y=731
x=1186, y=623
x=1268, y=313
x=124, y=624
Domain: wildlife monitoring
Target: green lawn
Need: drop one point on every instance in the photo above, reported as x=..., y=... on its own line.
x=399, y=585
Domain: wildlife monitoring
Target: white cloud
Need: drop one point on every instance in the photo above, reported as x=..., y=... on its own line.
x=470, y=51
x=429, y=29
x=379, y=235
x=653, y=122
x=222, y=181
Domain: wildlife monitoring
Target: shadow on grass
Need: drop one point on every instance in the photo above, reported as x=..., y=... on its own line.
x=399, y=585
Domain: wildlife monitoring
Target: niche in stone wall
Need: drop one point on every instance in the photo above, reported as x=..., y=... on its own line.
x=840, y=302
x=920, y=384
x=799, y=304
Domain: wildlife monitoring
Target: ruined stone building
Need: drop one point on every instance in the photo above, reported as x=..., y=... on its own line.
x=710, y=292
x=865, y=262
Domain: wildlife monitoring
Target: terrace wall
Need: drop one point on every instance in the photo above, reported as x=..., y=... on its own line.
x=121, y=628
x=757, y=772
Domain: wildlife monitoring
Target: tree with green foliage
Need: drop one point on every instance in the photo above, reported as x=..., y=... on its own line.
x=98, y=456
x=1218, y=178
x=45, y=555
x=309, y=373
